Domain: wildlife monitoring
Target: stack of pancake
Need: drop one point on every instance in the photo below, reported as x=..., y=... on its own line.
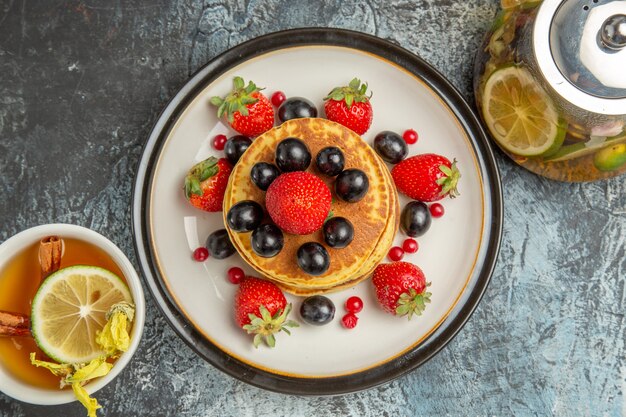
x=375, y=217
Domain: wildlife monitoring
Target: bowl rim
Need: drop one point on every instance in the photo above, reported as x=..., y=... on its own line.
x=20, y=390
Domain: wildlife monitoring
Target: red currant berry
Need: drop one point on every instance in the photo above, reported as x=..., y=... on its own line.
x=278, y=98
x=235, y=275
x=349, y=321
x=410, y=136
x=410, y=246
x=436, y=210
x=354, y=304
x=201, y=254
x=219, y=142
x=395, y=254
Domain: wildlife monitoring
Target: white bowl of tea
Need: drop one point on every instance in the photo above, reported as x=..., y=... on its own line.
x=53, y=274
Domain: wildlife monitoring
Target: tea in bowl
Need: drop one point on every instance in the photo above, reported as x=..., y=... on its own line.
x=72, y=313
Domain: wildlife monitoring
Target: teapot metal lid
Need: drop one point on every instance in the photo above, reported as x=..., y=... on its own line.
x=580, y=47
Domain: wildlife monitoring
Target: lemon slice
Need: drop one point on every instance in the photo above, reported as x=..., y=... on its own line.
x=520, y=115
x=69, y=309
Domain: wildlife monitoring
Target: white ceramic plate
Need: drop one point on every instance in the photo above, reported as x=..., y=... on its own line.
x=457, y=254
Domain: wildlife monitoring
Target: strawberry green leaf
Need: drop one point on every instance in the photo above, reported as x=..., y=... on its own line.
x=353, y=92
x=266, y=326
x=221, y=109
x=411, y=303
x=238, y=83
x=265, y=314
x=258, y=338
x=251, y=88
x=238, y=100
x=270, y=340
x=192, y=186
x=449, y=181
x=216, y=101
x=208, y=171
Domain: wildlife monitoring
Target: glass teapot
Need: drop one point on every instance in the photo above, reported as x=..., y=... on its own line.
x=550, y=85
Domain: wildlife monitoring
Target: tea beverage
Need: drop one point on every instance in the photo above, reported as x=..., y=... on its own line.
x=544, y=92
x=19, y=280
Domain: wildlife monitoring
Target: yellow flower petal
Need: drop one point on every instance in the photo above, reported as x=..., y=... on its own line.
x=94, y=369
x=91, y=404
x=114, y=337
x=58, y=369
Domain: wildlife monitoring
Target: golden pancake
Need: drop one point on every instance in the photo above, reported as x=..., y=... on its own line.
x=374, y=217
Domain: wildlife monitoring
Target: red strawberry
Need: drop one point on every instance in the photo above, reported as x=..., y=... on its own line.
x=427, y=177
x=205, y=183
x=298, y=202
x=401, y=288
x=350, y=106
x=248, y=111
x=261, y=309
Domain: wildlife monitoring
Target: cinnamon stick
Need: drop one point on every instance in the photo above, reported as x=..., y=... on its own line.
x=50, y=251
x=16, y=320
x=9, y=331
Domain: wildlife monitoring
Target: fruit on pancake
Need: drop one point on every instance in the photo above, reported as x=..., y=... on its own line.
x=267, y=240
x=352, y=185
x=390, y=147
x=317, y=310
x=415, y=219
x=330, y=161
x=261, y=309
x=338, y=232
x=401, y=288
x=313, y=258
x=235, y=147
x=427, y=177
x=263, y=174
x=206, y=182
x=278, y=98
x=245, y=216
x=292, y=154
x=247, y=110
x=350, y=106
x=375, y=217
x=296, y=108
x=219, y=245
x=298, y=202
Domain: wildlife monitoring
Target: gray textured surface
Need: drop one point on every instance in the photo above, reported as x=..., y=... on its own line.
x=82, y=82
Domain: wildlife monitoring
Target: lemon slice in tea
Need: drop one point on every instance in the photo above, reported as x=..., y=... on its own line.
x=520, y=115
x=69, y=309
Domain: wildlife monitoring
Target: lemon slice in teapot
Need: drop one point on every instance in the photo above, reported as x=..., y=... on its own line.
x=520, y=115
